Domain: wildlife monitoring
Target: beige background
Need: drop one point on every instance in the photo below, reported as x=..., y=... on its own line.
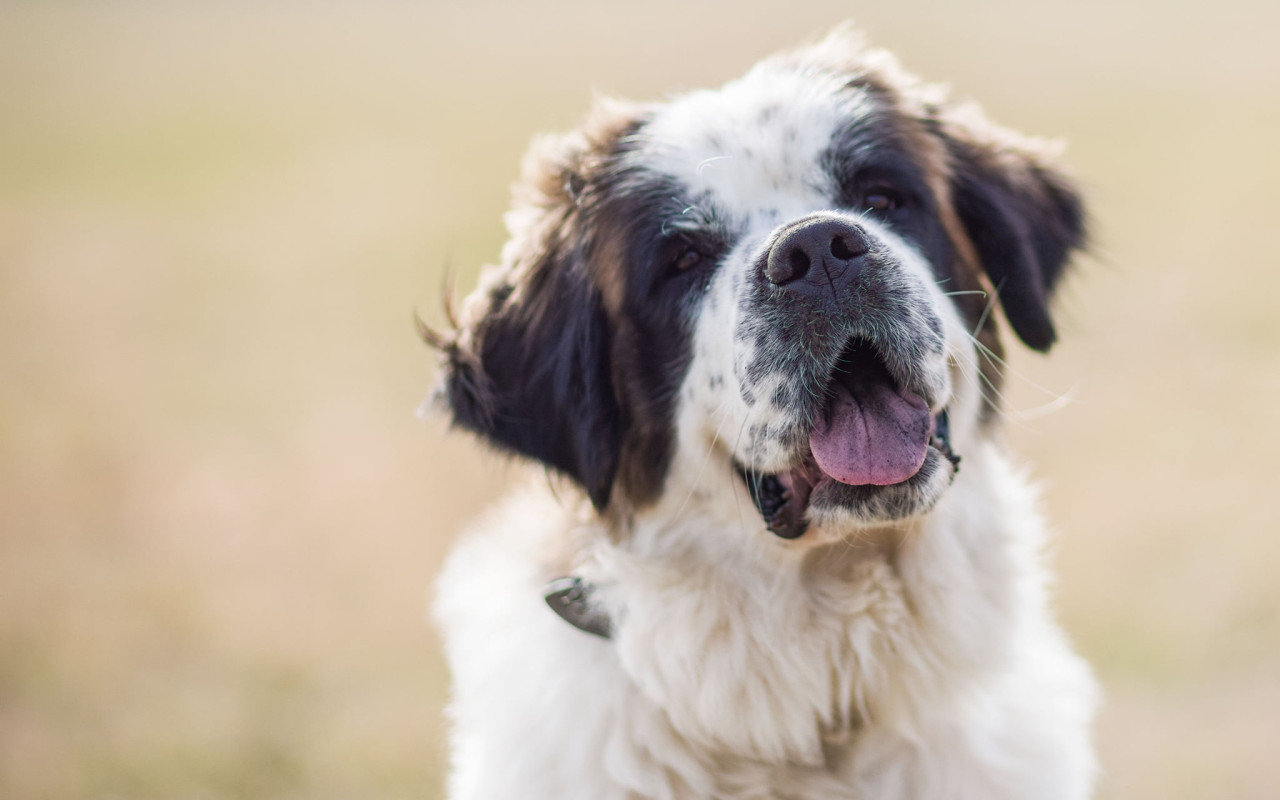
x=219, y=516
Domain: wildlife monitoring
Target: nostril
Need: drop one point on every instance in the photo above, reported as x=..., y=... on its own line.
x=811, y=249
x=840, y=249
x=799, y=261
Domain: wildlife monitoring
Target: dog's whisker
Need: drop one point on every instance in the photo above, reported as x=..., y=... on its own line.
x=723, y=411
x=742, y=523
x=986, y=353
x=708, y=162
x=1005, y=407
x=1053, y=406
x=986, y=311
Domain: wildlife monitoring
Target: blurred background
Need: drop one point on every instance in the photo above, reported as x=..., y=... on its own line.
x=219, y=516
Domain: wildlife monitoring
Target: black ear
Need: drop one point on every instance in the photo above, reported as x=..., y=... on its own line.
x=531, y=376
x=1024, y=220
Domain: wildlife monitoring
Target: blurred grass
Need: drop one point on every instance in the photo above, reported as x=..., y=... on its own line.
x=218, y=516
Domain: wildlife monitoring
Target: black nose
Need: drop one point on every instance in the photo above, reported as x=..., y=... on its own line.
x=816, y=254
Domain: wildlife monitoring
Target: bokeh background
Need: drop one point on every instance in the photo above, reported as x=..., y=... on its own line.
x=219, y=516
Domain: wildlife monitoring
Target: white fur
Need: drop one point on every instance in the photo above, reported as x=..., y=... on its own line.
x=909, y=660
x=743, y=667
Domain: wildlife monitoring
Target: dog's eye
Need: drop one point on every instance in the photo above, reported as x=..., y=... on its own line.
x=880, y=199
x=687, y=260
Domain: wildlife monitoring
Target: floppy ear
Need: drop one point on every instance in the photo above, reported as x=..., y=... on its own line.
x=529, y=369
x=531, y=375
x=1023, y=218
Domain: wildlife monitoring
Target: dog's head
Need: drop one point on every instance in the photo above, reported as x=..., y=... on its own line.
x=790, y=279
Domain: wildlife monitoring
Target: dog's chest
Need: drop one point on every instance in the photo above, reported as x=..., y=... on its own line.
x=762, y=659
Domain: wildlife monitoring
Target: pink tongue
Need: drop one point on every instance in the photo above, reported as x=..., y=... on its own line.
x=873, y=435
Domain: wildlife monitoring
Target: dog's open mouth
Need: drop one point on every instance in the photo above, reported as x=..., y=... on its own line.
x=870, y=432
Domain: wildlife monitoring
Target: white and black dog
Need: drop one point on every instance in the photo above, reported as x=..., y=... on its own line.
x=753, y=329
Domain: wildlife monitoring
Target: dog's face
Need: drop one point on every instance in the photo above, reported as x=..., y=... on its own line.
x=790, y=278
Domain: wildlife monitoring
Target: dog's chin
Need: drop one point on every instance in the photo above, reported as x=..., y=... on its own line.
x=798, y=500
x=832, y=504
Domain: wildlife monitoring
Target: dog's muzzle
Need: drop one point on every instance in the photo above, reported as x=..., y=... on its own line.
x=834, y=286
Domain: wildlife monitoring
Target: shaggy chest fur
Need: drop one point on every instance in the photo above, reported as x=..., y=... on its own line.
x=918, y=662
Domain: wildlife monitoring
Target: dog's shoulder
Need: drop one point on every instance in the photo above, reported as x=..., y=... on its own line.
x=520, y=673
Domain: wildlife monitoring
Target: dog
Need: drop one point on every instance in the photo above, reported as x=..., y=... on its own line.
x=751, y=335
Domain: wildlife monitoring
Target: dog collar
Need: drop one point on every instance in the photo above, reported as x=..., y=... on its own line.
x=570, y=597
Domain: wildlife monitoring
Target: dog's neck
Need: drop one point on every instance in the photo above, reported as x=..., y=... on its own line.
x=834, y=615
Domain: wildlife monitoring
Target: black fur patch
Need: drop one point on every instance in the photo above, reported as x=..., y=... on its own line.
x=1024, y=222
x=538, y=384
